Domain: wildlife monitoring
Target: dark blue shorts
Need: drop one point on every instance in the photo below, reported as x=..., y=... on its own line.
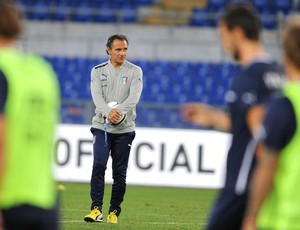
x=27, y=217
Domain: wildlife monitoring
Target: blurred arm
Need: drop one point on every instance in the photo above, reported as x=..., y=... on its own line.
x=3, y=97
x=254, y=121
x=255, y=117
x=206, y=116
x=260, y=186
x=2, y=163
x=2, y=159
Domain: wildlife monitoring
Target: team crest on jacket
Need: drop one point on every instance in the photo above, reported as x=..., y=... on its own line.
x=124, y=80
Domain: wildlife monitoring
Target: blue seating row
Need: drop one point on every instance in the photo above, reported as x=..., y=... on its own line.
x=126, y=11
x=164, y=82
x=104, y=11
x=204, y=17
x=284, y=6
x=167, y=85
x=90, y=3
x=268, y=10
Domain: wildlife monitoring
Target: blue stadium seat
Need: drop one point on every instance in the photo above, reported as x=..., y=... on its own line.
x=184, y=83
x=83, y=13
x=127, y=14
x=201, y=17
x=99, y=3
x=237, y=1
x=147, y=66
x=144, y=2
x=201, y=69
x=54, y=2
x=262, y=5
x=284, y=6
x=73, y=3
x=216, y=5
x=59, y=63
x=105, y=14
x=28, y=2
x=91, y=62
x=166, y=83
x=119, y=3
x=269, y=20
x=150, y=117
x=61, y=13
x=39, y=11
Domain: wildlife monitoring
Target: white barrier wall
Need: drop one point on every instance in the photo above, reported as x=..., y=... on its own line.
x=146, y=42
x=159, y=157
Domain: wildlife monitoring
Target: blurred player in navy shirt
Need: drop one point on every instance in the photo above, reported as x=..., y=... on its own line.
x=259, y=78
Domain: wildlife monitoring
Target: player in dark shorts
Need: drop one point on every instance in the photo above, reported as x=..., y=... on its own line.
x=29, y=114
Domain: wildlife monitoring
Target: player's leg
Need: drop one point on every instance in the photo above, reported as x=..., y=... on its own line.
x=121, y=146
x=228, y=211
x=100, y=156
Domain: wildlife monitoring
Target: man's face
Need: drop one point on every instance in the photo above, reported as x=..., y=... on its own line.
x=118, y=51
x=229, y=43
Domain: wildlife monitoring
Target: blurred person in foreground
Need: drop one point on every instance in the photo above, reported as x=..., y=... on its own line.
x=259, y=78
x=113, y=127
x=29, y=108
x=274, y=192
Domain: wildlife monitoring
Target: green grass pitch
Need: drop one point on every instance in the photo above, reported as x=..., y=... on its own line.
x=143, y=208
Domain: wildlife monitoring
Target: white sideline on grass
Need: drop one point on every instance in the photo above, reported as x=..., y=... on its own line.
x=170, y=223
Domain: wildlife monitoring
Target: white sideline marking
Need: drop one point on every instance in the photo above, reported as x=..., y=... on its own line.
x=170, y=223
x=70, y=221
x=77, y=210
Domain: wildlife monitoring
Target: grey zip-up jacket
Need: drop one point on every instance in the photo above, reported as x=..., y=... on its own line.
x=123, y=85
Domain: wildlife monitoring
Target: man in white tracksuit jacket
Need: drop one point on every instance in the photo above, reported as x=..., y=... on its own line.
x=113, y=127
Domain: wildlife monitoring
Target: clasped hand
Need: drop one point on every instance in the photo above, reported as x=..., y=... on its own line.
x=114, y=115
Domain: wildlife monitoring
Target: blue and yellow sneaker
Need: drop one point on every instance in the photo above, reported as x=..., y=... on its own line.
x=112, y=217
x=94, y=216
